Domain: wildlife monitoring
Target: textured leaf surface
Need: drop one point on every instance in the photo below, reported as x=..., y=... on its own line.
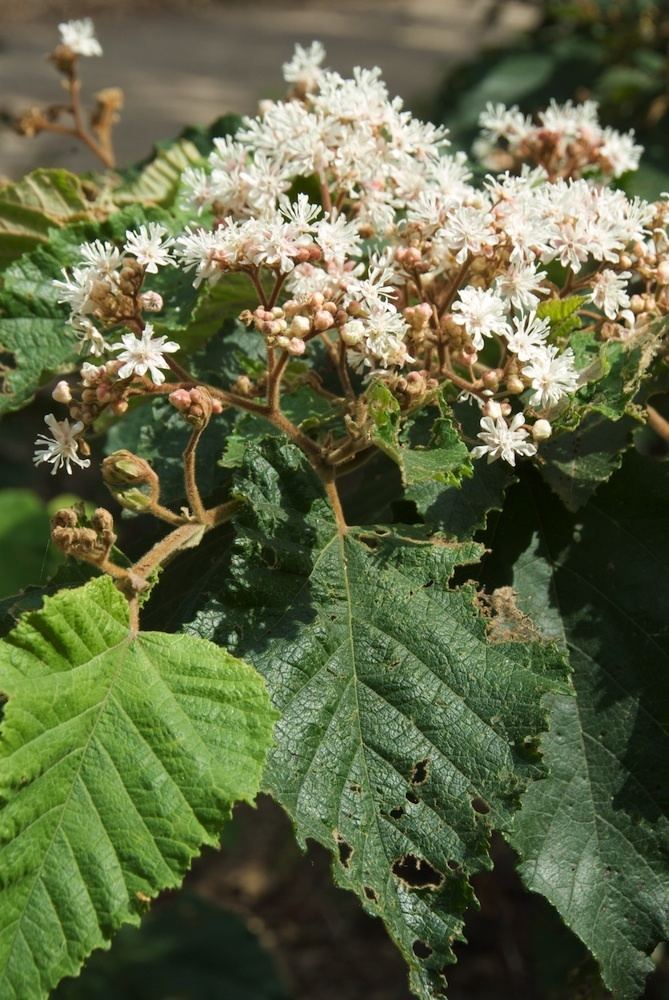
x=460, y=511
x=157, y=182
x=439, y=455
x=576, y=463
x=406, y=733
x=29, y=208
x=35, y=341
x=121, y=755
x=594, y=834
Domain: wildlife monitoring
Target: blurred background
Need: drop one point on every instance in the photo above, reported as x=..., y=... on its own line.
x=260, y=920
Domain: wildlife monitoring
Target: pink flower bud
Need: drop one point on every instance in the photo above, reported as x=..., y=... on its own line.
x=296, y=346
x=151, y=301
x=323, y=320
x=180, y=399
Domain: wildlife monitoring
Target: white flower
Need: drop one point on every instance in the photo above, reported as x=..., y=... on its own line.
x=502, y=440
x=76, y=288
x=301, y=213
x=304, y=68
x=103, y=258
x=63, y=448
x=621, y=151
x=469, y=230
x=80, y=37
x=338, y=239
x=150, y=244
x=89, y=336
x=529, y=335
x=144, y=354
x=482, y=313
x=609, y=292
x=552, y=375
x=520, y=284
x=498, y=122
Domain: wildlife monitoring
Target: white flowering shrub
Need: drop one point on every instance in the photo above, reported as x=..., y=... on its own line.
x=339, y=373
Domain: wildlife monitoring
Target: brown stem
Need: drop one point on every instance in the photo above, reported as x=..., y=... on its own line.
x=335, y=502
x=275, y=291
x=658, y=423
x=253, y=275
x=325, y=195
x=190, y=481
x=274, y=381
x=223, y=513
x=184, y=537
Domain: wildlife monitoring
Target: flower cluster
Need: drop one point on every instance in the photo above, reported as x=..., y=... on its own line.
x=401, y=267
x=566, y=140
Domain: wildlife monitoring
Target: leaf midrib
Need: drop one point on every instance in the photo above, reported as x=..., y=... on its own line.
x=127, y=640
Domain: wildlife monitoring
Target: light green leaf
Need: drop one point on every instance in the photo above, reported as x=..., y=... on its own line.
x=395, y=749
x=562, y=314
x=39, y=348
x=32, y=206
x=428, y=449
x=121, y=755
x=593, y=834
x=158, y=181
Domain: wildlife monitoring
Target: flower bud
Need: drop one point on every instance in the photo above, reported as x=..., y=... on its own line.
x=62, y=392
x=353, y=332
x=180, y=400
x=151, y=301
x=515, y=385
x=323, y=320
x=541, y=430
x=122, y=468
x=491, y=380
x=491, y=408
x=296, y=346
x=300, y=326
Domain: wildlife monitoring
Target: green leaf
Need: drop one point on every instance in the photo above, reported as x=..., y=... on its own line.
x=460, y=511
x=188, y=948
x=157, y=182
x=121, y=755
x=576, y=463
x=394, y=749
x=613, y=371
x=34, y=205
x=593, y=834
x=562, y=314
x=39, y=348
x=440, y=456
x=27, y=555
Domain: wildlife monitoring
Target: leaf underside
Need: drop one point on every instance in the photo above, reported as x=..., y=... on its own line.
x=121, y=755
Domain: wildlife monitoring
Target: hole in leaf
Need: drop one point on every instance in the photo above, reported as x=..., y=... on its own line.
x=417, y=873
x=421, y=950
x=480, y=805
x=371, y=894
x=345, y=851
x=419, y=772
x=412, y=798
x=397, y=812
x=453, y=865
